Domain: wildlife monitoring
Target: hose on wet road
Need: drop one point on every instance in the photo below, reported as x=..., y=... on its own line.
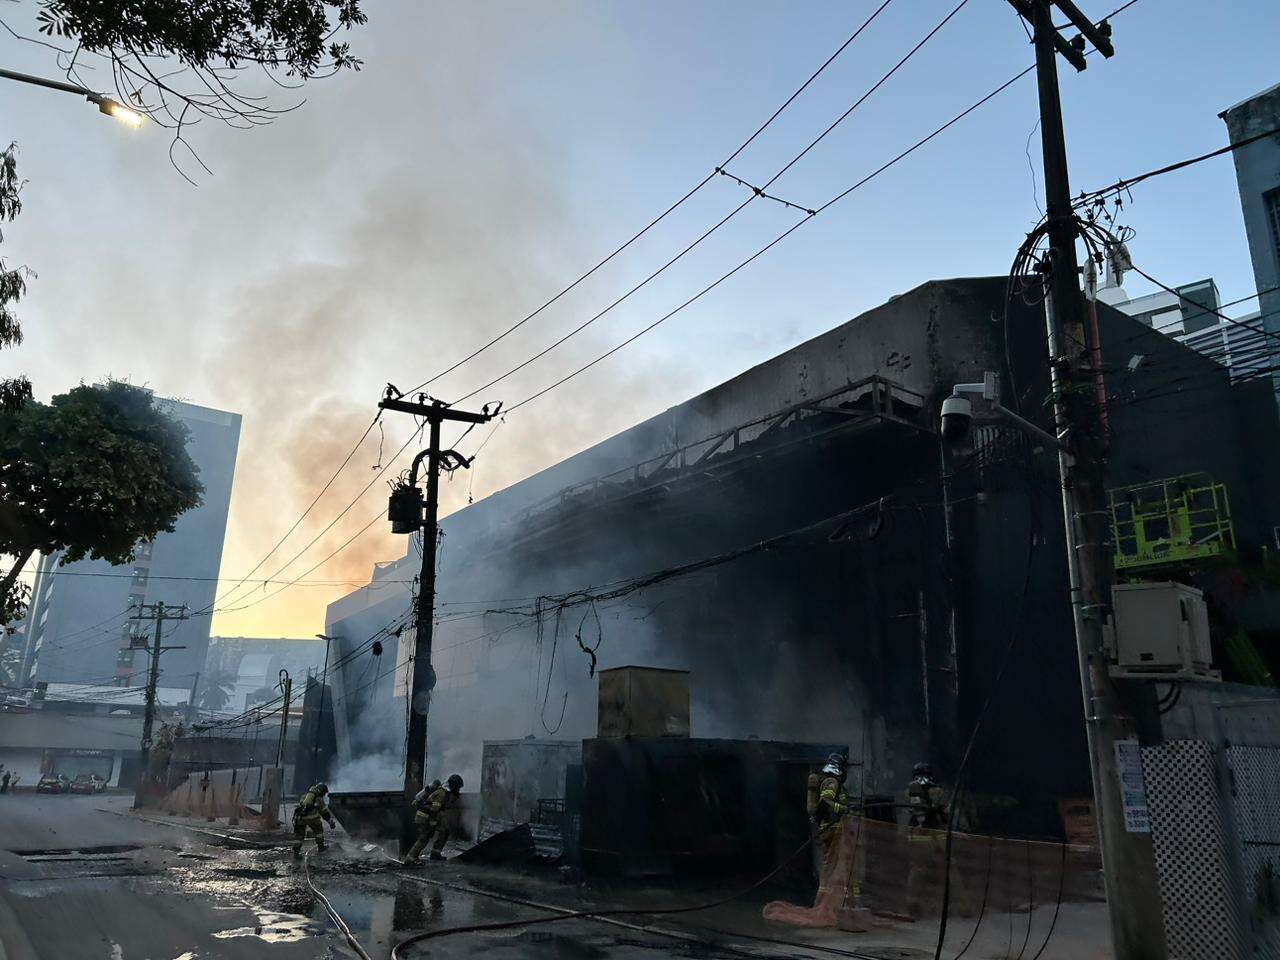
x=398, y=951
x=333, y=914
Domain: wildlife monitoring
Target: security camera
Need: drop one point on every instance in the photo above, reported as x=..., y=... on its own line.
x=957, y=415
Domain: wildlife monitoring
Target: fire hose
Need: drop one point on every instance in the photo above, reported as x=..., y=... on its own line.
x=397, y=952
x=333, y=914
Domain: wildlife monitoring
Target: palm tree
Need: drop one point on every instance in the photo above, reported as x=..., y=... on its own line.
x=215, y=692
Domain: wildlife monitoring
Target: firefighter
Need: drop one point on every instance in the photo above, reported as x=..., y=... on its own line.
x=311, y=809
x=926, y=816
x=431, y=817
x=828, y=803
x=926, y=800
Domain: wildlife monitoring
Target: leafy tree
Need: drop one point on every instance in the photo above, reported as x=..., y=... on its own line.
x=179, y=61
x=10, y=659
x=215, y=691
x=14, y=391
x=92, y=473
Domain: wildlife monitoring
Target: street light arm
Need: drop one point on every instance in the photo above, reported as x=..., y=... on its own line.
x=51, y=84
x=109, y=106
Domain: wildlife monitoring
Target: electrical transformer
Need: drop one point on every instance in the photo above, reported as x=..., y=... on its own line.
x=1159, y=630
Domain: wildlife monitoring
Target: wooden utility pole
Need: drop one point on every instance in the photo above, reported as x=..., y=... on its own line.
x=1128, y=860
x=158, y=613
x=409, y=514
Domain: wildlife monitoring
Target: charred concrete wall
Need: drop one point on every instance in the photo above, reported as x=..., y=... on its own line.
x=881, y=638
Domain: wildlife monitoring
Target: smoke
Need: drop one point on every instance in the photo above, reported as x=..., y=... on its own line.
x=368, y=771
x=454, y=227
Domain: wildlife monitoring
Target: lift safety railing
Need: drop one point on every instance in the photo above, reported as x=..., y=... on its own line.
x=1173, y=520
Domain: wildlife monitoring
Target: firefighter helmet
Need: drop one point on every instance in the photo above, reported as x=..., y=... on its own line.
x=455, y=783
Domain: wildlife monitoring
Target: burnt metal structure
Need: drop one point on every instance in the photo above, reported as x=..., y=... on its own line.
x=851, y=409
x=679, y=806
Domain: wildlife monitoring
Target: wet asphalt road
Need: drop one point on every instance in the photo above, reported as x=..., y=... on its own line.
x=80, y=877
x=76, y=882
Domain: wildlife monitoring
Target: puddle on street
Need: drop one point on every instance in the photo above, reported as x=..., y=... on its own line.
x=274, y=928
x=383, y=917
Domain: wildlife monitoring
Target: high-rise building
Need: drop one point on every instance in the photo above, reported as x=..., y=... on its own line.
x=1189, y=315
x=78, y=625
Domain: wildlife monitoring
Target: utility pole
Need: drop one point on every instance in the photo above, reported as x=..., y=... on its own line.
x=286, y=685
x=1128, y=860
x=319, y=727
x=158, y=613
x=409, y=514
x=191, y=701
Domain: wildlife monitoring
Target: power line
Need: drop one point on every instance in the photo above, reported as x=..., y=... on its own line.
x=809, y=214
x=663, y=215
x=129, y=576
x=1121, y=186
x=255, y=712
x=772, y=243
x=875, y=173
x=316, y=499
x=291, y=583
x=359, y=533
x=1217, y=312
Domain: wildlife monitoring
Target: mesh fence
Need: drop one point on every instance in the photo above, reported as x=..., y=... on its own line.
x=1035, y=899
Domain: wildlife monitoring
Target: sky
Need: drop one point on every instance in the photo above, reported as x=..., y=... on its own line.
x=488, y=153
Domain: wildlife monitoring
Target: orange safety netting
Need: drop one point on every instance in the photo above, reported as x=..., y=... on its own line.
x=872, y=869
x=210, y=800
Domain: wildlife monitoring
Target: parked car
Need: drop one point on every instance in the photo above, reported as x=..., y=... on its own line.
x=51, y=783
x=88, y=783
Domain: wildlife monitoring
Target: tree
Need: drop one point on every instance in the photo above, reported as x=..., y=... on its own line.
x=215, y=691
x=14, y=391
x=10, y=658
x=92, y=473
x=179, y=61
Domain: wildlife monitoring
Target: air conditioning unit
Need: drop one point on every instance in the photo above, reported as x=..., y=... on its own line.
x=1160, y=630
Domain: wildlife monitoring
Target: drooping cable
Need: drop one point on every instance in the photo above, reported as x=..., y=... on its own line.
x=809, y=214
x=665, y=213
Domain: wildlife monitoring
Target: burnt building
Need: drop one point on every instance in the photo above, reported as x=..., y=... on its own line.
x=800, y=540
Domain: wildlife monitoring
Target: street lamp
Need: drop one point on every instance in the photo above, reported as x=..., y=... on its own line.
x=111, y=107
x=114, y=108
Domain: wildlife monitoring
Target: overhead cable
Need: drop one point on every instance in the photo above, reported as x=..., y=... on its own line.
x=665, y=213
x=756, y=192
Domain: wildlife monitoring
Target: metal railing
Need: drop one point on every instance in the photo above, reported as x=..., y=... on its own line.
x=1181, y=519
x=871, y=399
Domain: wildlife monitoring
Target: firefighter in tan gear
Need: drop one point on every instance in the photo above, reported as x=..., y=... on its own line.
x=926, y=801
x=432, y=808
x=828, y=804
x=927, y=820
x=311, y=809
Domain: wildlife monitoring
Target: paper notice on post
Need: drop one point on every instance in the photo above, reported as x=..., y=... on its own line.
x=1133, y=789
